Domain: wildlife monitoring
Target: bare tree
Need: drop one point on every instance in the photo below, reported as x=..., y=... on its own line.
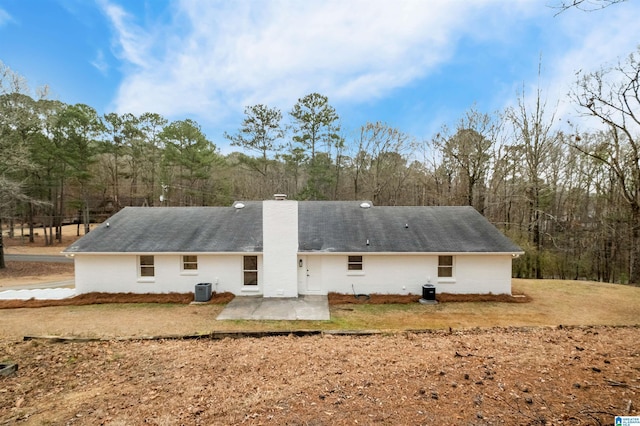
x=469, y=151
x=612, y=95
x=379, y=167
x=534, y=141
x=584, y=5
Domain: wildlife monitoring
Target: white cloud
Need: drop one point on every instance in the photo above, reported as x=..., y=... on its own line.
x=221, y=56
x=132, y=42
x=213, y=58
x=100, y=63
x=5, y=18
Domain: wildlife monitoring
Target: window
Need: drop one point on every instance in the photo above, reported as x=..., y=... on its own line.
x=354, y=263
x=147, y=268
x=445, y=266
x=250, y=270
x=189, y=263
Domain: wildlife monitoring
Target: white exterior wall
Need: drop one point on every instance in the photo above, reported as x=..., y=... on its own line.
x=480, y=275
x=404, y=274
x=319, y=274
x=119, y=274
x=280, y=248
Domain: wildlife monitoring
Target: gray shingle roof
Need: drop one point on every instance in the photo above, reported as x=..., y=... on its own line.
x=324, y=226
x=177, y=229
x=346, y=227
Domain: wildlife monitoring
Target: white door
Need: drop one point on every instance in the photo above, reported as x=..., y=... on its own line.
x=303, y=274
x=309, y=275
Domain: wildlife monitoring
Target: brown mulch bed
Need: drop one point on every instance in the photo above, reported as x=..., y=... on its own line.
x=381, y=299
x=102, y=298
x=223, y=298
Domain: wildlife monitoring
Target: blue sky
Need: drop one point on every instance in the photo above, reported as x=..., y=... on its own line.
x=416, y=65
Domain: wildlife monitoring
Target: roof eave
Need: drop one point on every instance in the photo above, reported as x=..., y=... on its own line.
x=164, y=253
x=413, y=253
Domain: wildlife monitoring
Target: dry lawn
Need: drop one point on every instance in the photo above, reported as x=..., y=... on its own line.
x=552, y=303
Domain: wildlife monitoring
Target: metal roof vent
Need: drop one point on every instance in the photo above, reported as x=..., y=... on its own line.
x=238, y=205
x=365, y=205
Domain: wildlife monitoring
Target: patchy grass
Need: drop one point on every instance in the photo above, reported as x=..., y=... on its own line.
x=121, y=320
x=551, y=303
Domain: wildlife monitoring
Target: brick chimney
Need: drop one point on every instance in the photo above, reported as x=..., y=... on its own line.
x=280, y=247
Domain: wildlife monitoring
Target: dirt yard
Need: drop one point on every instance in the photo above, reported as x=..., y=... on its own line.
x=22, y=273
x=21, y=245
x=536, y=376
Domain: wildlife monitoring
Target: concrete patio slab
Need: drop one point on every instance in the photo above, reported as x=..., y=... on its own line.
x=314, y=308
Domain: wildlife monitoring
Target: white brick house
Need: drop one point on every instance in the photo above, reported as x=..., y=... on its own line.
x=283, y=248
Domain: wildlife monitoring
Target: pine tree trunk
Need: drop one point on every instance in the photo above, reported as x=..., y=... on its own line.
x=634, y=264
x=2, y=264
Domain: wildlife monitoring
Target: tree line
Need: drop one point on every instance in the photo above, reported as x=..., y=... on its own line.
x=569, y=198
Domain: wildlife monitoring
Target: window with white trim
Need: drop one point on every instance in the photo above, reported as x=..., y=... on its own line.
x=250, y=270
x=146, y=266
x=354, y=263
x=445, y=266
x=189, y=263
